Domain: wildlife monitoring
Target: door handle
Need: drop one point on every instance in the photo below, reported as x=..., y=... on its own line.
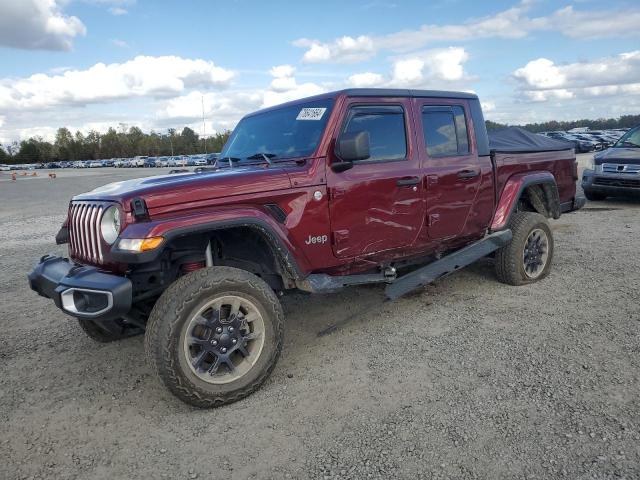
x=408, y=181
x=465, y=174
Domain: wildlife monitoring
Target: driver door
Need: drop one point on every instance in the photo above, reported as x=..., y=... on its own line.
x=378, y=204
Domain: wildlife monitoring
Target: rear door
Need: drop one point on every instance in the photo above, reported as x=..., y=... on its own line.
x=450, y=163
x=378, y=204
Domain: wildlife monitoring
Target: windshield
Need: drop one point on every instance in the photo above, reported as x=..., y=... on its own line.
x=630, y=139
x=286, y=132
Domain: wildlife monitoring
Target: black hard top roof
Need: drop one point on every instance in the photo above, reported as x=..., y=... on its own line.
x=373, y=92
x=402, y=92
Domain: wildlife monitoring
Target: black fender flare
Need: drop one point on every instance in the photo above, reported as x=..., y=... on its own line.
x=278, y=246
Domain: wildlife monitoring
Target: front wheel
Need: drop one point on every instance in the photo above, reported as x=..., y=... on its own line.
x=527, y=257
x=214, y=336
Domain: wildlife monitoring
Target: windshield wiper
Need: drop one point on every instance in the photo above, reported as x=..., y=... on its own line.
x=265, y=156
x=229, y=159
x=633, y=145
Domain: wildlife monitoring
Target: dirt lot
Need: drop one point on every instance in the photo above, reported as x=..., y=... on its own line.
x=468, y=378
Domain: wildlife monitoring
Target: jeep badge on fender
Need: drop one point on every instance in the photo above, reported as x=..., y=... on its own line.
x=197, y=261
x=318, y=239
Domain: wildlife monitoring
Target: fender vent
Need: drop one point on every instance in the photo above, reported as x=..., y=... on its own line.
x=276, y=212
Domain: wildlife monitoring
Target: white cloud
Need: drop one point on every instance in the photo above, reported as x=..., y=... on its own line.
x=284, y=87
x=436, y=68
x=37, y=25
x=366, y=79
x=223, y=110
x=280, y=71
x=543, y=80
x=343, y=50
x=118, y=11
x=512, y=23
x=488, y=106
x=139, y=77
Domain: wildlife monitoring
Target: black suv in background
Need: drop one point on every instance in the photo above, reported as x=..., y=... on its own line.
x=616, y=170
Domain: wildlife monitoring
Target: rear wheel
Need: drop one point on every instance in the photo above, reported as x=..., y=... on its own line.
x=594, y=196
x=214, y=336
x=527, y=257
x=108, y=331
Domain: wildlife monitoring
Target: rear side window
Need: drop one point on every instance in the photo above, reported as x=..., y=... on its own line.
x=386, y=127
x=445, y=131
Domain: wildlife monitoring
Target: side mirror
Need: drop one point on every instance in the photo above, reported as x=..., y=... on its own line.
x=350, y=147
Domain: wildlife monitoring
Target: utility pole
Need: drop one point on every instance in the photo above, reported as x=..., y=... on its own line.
x=171, y=141
x=204, y=139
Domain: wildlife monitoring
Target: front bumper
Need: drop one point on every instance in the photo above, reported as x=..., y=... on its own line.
x=610, y=183
x=81, y=291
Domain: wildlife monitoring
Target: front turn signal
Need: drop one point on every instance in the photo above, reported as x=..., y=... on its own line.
x=139, y=244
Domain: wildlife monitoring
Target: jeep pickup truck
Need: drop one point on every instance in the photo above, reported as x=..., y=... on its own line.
x=359, y=186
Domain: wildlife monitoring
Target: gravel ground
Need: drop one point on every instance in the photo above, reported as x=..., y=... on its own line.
x=467, y=378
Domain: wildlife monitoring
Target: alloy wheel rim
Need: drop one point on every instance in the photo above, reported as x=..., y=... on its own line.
x=536, y=253
x=224, y=339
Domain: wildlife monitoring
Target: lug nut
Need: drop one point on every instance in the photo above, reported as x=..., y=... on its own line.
x=214, y=342
x=234, y=341
x=219, y=330
x=223, y=350
x=231, y=329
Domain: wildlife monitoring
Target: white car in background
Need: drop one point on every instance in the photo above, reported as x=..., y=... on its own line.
x=4, y=168
x=138, y=161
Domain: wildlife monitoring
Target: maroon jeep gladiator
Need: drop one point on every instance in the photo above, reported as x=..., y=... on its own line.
x=358, y=186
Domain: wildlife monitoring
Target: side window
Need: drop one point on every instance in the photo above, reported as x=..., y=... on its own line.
x=385, y=124
x=445, y=131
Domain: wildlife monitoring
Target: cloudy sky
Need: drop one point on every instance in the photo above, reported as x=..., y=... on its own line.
x=90, y=64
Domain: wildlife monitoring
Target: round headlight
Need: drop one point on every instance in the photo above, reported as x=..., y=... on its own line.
x=110, y=225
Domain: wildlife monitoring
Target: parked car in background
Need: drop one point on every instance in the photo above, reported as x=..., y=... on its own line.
x=149, y=162
x=162, y=162
x=212, y=158
x=95, y=164
x=198, y=161
x=580, y=146
x=138, y=161
x=616, y=170
x=4, y=168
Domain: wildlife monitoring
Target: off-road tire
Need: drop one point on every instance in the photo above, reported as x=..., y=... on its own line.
x=171, y=314
x=509, y=259
x=594, y=196
x=119, y=331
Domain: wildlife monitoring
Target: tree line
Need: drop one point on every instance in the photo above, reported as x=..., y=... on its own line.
x=123, y=142
x=625, y=121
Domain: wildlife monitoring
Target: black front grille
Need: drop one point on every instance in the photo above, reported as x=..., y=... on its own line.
x=85, y=242
x=617, y=182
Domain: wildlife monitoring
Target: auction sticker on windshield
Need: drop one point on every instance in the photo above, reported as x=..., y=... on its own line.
x=311, y=114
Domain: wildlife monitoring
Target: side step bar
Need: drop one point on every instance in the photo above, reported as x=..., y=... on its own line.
x=449, y=264
x=323, y=283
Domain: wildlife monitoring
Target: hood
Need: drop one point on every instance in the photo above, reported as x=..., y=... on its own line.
x=164, y=190
x=629, y=156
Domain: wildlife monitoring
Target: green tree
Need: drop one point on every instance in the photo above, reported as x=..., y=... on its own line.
x=4, y=155
x=63, y=144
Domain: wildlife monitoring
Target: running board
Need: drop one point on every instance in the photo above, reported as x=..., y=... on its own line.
x=449, y=264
